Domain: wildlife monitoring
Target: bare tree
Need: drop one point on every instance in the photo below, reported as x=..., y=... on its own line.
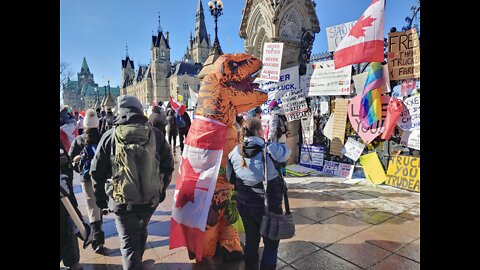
x=65, y=72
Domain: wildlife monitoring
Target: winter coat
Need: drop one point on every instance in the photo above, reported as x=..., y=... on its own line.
x=76, y=149
x=171, y=128
x=188, y=123
x=273, y=125
x=158, y=119
x=101, y=167
x=252, y=174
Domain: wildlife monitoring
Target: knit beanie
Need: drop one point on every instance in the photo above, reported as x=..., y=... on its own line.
x=91, y=119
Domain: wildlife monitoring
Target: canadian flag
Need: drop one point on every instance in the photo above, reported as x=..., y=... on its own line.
x=197, y=177
x=68, y=132
x=179, y=108
x=364, y=42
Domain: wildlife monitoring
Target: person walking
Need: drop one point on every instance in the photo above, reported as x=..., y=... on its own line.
x=158, y=119
x=131, y=171
x=277, y=128
x=82, y=152
x=245, y=169
x=172, y=128
x=183, y=124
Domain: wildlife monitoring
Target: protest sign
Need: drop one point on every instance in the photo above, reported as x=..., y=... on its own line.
x=404, y=172
x=405, y=89
x=353, y=149
x=289, y=81
x=319, y=105
x=359, y=81
x=411, y=139
x=312, y=156
x=328, y=129
x=295, y=105
x=322, y=79
x=307, y=128
x=336, y=33
x=376, y=129
x=337, y=169
x=404, y=55
x=272, y=61
x=298, y=170
x=410, y=117
x=373, y=168
x=338, y=134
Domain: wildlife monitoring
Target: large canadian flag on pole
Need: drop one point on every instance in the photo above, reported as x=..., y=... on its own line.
x=201, y=159
x=364, y=42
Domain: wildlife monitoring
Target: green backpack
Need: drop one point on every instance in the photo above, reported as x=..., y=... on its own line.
x=135, y=166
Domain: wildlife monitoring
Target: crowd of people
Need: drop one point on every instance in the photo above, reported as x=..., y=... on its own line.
x=125, y=161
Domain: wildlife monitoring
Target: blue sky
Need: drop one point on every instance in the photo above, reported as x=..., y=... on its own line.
x=99, y=30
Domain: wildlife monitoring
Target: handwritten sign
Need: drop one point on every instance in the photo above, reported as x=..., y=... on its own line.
x=373, y=168
x=289, y=81
x=404, y=172
x=404, y=55
x=272, y=61
x=312, y=156
x=410, y=117
x=411, y=139
x=405, y=89
x=322, y=79
x=307, y=128
x=295, y=105
x=359, y=81
x=339, y=123
x=376, y=129
x=336, y=33
x=353, y=149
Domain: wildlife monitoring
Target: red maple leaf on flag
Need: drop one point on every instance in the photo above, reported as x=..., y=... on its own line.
x=357, y=30
x=188, y=181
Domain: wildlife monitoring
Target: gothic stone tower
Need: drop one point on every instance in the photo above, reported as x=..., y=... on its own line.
x=160, y=65
x=128, y=73
x=200, y=45
x=85, y=77
x=279, y=21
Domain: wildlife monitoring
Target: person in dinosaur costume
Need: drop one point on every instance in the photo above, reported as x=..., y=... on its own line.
x=226, y=91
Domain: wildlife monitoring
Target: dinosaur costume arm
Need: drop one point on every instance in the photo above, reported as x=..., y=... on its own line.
x=246, y=100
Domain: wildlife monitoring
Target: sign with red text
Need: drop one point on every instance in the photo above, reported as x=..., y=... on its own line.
x=404, y=55
x=272, y=61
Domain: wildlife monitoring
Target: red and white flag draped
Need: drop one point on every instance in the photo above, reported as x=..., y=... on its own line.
x=197, y=177
x=364, y=42
x=179, y=108
x=68, y=132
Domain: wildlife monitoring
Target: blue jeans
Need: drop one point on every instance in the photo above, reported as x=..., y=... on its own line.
x=132, y=231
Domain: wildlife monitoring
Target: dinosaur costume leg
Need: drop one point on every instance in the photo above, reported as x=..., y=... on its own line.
x=218, y=228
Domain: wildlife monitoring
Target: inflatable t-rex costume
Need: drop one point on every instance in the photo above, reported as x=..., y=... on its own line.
x=225, y=92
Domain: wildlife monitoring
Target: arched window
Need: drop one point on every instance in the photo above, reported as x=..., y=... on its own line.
x=185, y=85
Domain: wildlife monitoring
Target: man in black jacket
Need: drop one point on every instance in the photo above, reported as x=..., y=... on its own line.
x=183, y=130
x=131, y=220
x=158, y=119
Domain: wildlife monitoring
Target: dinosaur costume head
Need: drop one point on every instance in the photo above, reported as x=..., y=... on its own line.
x=229, y=88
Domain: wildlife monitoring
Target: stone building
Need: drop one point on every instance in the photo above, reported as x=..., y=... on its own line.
x=184, y=81
x=279, y=21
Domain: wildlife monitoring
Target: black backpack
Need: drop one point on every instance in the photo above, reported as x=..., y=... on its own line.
x=87, y=155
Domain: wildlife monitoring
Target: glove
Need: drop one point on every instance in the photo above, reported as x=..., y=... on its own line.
x=64, y=192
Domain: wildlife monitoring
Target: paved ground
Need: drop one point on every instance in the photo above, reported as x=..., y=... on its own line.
x=338, y=226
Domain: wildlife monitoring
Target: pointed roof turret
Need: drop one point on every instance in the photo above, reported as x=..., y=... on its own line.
x=84, y=68
x=200, y=28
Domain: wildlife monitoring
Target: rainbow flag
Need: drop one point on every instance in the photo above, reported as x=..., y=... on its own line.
x=371, y=104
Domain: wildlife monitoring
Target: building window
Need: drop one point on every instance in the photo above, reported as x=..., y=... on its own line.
x=185, y=85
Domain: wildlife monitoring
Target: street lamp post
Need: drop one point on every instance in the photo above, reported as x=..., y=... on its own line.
x=216, y=7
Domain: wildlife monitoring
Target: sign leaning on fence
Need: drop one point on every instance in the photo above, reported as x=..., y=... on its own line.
x=307, y=128
x=404, y=55
x=339, y=123
x=322, y=79
x=411, y=139
x=312, y=156
x=359, y=81
x=410, y=117
x=404, y=172
x=295, y=105
x=353, y=149
x=288, y=81
x=272, y=61
x=336, y=33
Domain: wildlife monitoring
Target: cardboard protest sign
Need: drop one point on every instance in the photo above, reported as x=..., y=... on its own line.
x=339, y=123
x=272, y=61
x=411, y=139
x=367, y=135
x=307, y=128
x=312, y=156
x=289, y=81
x=404, y=172
x=337, y=169
x=405, y=89
x=336, y=33
x=410, y=117
x=404, y=55
x=359, y=81
x=353, y=149
x=322, y=79
x=373, y=168
x=295, y=105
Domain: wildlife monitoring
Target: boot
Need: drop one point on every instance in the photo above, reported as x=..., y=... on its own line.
x=267, y=267
x=98, y=237
x=251, y=263
x=231, y=256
